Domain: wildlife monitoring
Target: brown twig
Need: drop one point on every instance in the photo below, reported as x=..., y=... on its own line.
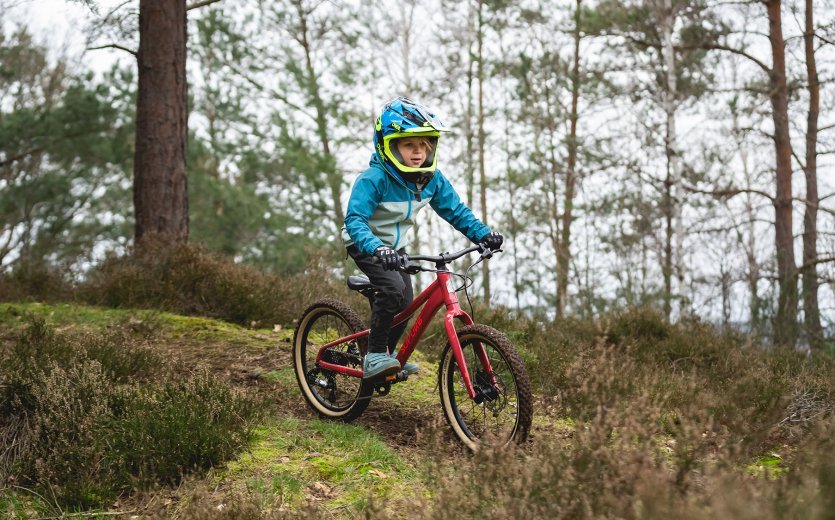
x=196, y=5
x=113, y=46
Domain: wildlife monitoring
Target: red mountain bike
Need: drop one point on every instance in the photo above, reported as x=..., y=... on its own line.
x=485, y=390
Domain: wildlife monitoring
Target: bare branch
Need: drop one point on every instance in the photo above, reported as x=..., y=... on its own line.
x=816, y=261
x=272, y=92
x=729, y=192
x=704, y=46
x=720, y=47
x=826, y=127
x=21, y=155
x=113, y=46
x=797, y=158
x=202, y=3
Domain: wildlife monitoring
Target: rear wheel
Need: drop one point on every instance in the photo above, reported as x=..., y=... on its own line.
x=503, y=406
x=331, y=394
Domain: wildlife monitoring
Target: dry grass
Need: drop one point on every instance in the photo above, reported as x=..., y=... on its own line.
x=190, y=280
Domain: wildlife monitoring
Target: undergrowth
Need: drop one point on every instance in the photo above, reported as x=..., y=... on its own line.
x=668, y=419
x=87, y=418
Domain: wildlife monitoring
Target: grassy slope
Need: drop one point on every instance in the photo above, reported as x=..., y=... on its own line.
x=297, y=460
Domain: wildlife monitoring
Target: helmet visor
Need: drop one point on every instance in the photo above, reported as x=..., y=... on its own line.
x=431, y=119
x=424, y=145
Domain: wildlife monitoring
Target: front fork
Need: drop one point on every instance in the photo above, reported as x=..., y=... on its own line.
x=458, y=352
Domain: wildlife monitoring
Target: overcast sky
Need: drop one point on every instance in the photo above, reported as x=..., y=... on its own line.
x=60, y=24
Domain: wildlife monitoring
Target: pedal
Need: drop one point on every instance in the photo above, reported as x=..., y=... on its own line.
x=383, y=388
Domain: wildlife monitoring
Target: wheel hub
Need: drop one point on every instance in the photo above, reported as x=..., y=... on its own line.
x=492, y=396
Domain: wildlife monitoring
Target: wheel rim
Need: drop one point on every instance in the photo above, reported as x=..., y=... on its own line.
x=334, y=391
x=497, y=415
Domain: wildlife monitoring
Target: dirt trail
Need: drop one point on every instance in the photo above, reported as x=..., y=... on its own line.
x=404, y=426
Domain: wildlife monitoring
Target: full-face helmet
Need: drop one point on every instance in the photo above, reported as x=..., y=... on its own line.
x=402, y=118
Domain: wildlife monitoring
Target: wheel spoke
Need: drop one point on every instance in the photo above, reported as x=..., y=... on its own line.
x=342, y=390
x=497, y=413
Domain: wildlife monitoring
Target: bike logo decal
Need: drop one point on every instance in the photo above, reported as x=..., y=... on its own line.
x=415, y=329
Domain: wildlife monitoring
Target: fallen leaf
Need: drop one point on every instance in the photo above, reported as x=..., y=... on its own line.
x=321, y=489
x=377, y=473
x=284, y=459
x=313, y=455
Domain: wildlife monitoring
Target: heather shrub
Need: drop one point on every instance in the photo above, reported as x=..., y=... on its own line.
x=122, y=356
x=159, y=433
x=188, y=279
x=631, y=457
x=86, y=418
x=70, y=406
x=35, y=281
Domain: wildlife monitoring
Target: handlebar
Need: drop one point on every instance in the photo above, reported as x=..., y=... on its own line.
x=443, y=258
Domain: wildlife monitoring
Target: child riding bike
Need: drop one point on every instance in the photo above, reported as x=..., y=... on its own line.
x=401, y=179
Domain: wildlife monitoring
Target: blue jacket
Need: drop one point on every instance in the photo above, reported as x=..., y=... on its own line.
x=383, y=206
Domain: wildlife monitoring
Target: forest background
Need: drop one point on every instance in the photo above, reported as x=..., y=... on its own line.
x=674, y=154
x=173, y=177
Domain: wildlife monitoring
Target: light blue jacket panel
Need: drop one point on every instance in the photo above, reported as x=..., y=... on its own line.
x=382, y=209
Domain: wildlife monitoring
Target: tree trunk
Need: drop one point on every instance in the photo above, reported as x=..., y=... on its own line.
x=513, y=225
x=785, y=325
x=468, y=120
x=672, y=206
x=564, y=251
x=811, y=312
x=160, y=185
x=482, y=175
x=334, y=178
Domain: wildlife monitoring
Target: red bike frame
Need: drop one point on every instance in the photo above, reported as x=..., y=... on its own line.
x=440, y=292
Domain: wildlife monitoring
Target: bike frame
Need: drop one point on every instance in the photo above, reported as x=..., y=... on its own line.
x=439, y=293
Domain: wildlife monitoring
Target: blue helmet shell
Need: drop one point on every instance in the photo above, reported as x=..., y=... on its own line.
x=402, y=117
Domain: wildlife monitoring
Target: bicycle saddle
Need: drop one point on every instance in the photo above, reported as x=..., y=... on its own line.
x=359, y=283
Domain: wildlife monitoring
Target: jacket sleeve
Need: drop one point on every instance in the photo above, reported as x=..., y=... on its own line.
x=448, y=205
x=365, y=196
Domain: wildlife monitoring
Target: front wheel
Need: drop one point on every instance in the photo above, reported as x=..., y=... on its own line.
x=503, y=407
x=331, y=394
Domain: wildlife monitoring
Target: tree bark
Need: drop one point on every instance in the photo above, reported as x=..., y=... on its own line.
x=468, y=120
x=160, y=183
x=564, y=251
x=334, y=178
x=513, y=226
x=674, y=233
x=785, y=324
x=482, y=174
x=811, y=311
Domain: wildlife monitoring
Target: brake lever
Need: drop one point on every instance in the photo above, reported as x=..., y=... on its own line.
x=487, y=253
x=408, y=266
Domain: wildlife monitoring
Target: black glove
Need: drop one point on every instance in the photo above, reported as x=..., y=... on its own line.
x=493, y=241
x=388, y=258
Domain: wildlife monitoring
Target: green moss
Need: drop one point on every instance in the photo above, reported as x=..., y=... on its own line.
x=419, y=391
x=62, y=314
x=768, y=466
x=190, y=328
x=286, y=377
x=216, y=331
x=293, y=461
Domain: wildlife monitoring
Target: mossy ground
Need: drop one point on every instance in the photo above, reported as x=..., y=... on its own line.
x=298, y=460
x=295, y=461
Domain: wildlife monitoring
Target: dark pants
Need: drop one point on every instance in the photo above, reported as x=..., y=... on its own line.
x=393, y=294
